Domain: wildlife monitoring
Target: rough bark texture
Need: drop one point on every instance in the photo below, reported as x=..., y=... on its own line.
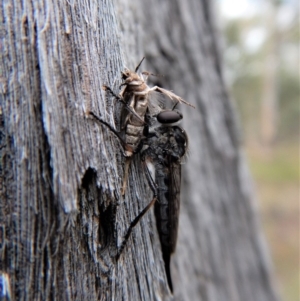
x=62, y=214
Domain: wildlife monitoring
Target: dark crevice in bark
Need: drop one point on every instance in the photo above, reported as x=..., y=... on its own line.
x=91, y=197
x=7, y=197
x=107, y=226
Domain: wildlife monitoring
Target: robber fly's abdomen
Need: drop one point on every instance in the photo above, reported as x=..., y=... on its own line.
x=162, y=211
x=169, y=148
x=167, y=207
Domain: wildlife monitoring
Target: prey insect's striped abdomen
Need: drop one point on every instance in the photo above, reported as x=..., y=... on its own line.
x=134, y=125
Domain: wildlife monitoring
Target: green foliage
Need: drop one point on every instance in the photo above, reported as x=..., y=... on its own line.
x=246, y=73
x=278, y=168
x=289, y=107
x=277, y=181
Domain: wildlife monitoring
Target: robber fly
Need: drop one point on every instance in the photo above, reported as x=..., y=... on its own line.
x=164, y=146
x=138, y=99
x=163, y=151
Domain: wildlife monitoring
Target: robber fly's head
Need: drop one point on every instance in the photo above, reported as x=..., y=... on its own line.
x=169, y=117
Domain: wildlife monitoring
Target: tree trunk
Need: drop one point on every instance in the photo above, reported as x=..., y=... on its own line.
x=269, y=100
x=62, y=215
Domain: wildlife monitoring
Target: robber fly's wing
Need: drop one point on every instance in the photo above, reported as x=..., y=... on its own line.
x=172, y=172
x=174, y=201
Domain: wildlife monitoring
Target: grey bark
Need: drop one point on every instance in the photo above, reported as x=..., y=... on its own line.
x=62, y=215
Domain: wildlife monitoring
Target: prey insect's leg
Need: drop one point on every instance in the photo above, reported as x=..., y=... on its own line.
x=127, y=164
x=153, y=187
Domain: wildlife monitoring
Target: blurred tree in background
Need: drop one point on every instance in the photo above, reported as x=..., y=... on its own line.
x=262, y=65
x=263, y=70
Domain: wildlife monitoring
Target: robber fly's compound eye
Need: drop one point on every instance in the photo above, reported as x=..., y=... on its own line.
x=166, y=117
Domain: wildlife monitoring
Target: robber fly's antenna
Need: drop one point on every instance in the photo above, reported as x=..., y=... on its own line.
x=138, y=66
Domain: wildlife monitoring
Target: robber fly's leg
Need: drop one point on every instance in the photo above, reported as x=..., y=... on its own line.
x=132, y=225
x=150, y=179
x=123, y=84
x=153, y=187
x=107, y=88
x=131, y=110
x=111, y=128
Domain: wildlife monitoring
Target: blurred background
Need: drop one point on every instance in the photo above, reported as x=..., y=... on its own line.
x=261, y=55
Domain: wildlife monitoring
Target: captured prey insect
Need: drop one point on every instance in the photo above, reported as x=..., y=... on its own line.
x=138, y=99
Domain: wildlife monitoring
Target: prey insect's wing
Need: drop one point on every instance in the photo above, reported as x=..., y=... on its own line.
x=157, y=102
x=124, y=116
x=175, y=98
